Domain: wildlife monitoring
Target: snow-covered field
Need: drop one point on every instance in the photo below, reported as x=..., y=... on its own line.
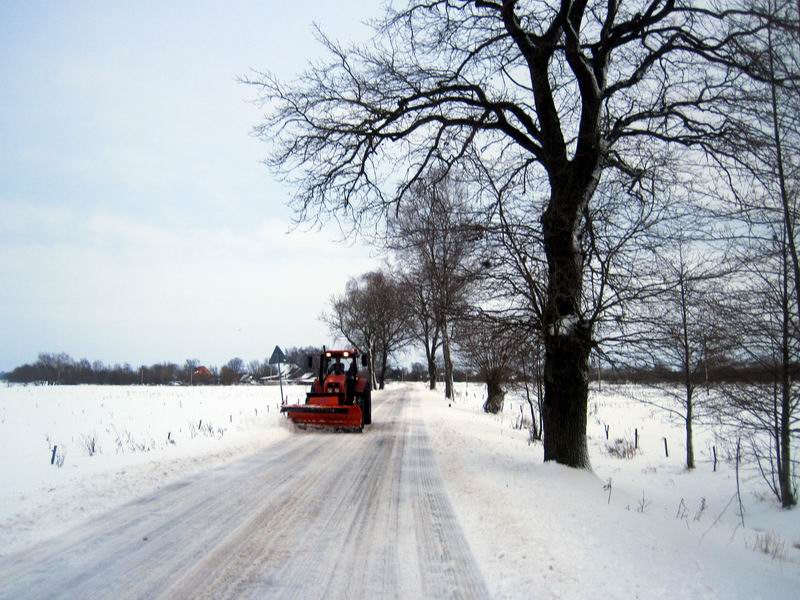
x=536, y=530
x=546, y=531
x=145, y=437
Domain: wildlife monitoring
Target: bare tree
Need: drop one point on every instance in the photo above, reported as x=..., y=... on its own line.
x=684, y=327
x=434, y=236
x=530, y=362
x=556, y=93
x=232, y=371
x=763, y=404
x=425, y=326
x=764, y=177
x=489, y=347
x=256, y=368
x=299, y=356
x=371, y=315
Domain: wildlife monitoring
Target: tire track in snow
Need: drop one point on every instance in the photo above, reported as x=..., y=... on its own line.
x=320, y=516
x=147, y=541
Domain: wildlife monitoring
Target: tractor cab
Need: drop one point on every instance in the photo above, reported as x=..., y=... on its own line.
x=338, y=374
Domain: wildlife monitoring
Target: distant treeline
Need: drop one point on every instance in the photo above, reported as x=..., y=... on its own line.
x=62, y=369
x=756, y=372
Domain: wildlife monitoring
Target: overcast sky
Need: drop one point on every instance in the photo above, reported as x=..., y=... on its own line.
x=136, y=220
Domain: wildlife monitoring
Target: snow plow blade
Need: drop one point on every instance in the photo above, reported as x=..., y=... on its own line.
x=337, y=410
x=341, y=417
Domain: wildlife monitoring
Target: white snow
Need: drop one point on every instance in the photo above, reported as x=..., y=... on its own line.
x=547, y=531
x=564, y=326
x=536, y=530
x=131, y=426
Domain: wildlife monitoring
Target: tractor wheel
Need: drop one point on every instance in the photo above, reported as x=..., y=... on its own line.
x=367, y=408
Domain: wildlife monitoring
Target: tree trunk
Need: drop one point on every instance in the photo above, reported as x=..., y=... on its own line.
x=788, y=495
x=566, y=392
x=783, y=458
x=448, y=363
x=431, y=342
x=567, y=336
x=382, y=378
x=539, y=391
x=535, y=431
x=495, y=396
x=430, y=356
x=687, y=361
x=689, y=437
x=432, y=373
x=787, y=492
x=372, y=374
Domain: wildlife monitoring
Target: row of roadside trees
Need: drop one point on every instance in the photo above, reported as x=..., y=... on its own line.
x=561, y=181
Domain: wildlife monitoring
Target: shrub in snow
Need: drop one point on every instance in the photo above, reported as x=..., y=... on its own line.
x=117, y=439
x=643, y=504
x=89, y=444
x=770, y=544
x=700, y=510
x=135, y=445
x=683, y=511
x=621, y=448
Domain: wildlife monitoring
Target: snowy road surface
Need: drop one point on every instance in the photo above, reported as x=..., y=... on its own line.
x=319, y=515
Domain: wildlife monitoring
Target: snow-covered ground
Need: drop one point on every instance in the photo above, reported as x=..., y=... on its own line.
x=536, y=530
x=546, y=531
x=145, y=438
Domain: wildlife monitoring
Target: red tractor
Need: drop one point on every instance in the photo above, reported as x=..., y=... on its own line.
x=340, y=398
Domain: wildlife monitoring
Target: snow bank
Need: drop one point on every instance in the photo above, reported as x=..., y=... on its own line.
x=546, y=531
x=143, y=437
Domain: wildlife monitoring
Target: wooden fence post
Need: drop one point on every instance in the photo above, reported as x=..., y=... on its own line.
x=714, y=450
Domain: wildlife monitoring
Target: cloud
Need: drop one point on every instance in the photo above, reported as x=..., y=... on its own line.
x=115, y=287
x=136, y=221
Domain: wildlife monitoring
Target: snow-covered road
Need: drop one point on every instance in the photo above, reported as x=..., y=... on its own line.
x=317, y=515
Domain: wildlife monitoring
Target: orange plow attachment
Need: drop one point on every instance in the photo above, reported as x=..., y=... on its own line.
x=324, y=410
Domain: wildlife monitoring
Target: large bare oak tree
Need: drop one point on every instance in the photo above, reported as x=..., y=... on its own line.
x=553, y=91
